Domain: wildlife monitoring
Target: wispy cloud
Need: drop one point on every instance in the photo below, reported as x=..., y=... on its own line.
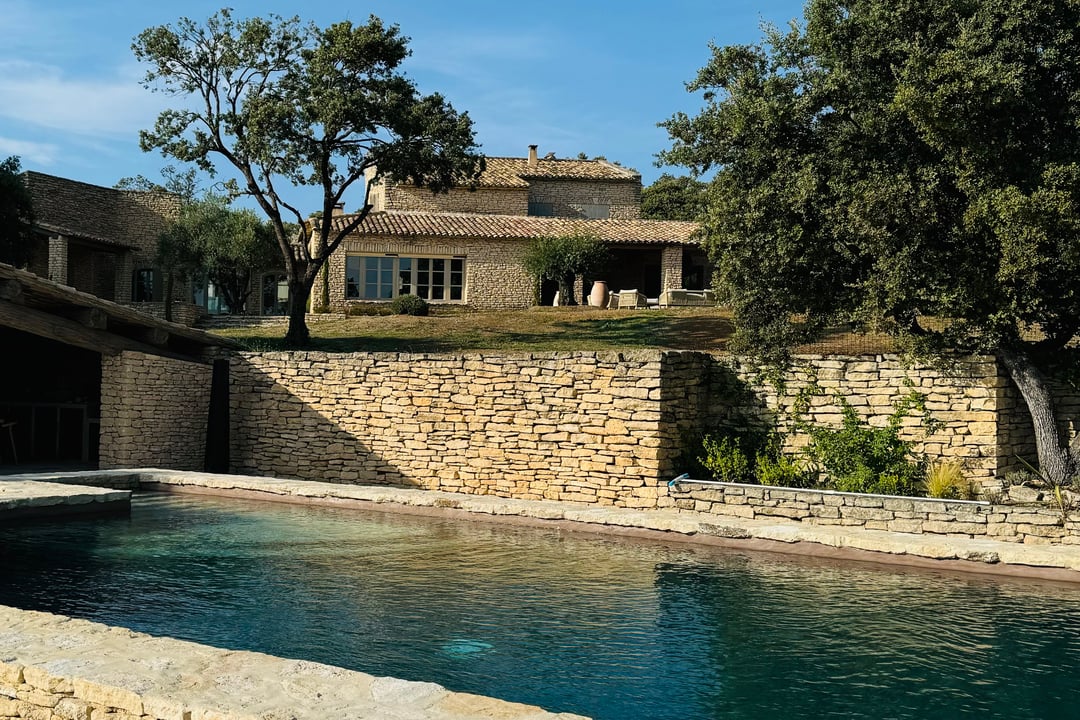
x=42, y=154
x=49, y=98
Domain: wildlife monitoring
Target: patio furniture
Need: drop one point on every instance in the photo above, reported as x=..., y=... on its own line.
x=630, y=300
x=687, y=298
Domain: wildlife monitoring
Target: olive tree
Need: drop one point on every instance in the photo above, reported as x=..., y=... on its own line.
x=288, y=103
x=908, y=166
x=561, y=258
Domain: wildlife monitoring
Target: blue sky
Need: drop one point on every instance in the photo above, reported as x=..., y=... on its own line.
x=570, y=76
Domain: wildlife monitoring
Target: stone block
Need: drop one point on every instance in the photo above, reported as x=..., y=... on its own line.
x=108, y=696
x=952, y=528
x=866, y=513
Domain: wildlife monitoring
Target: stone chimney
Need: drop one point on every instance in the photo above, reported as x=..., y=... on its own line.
x=532, y=156
x=339, y=209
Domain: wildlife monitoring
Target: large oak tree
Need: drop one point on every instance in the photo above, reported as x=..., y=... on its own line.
x=284, y=102
x=907, y=165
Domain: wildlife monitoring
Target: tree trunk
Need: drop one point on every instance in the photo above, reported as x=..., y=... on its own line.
x=566, y=291
x=298, y=335
x=1056, y=461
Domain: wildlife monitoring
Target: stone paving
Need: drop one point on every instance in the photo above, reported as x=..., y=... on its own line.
x=33, y=498
x=54, y=667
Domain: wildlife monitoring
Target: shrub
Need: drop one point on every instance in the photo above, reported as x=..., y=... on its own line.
x=859, y=458
x=409, y=305
x=725, y=459
x=367, y=309
x=945, y=479
x=781, y=470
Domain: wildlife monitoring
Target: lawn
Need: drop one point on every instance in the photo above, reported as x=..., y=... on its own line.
x=537, y=329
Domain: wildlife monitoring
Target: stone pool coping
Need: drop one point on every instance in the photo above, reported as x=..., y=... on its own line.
x=34, y=498
x=1057, y=562
x=57, y=667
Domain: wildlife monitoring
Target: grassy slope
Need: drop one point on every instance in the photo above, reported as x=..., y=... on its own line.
x=537, y=329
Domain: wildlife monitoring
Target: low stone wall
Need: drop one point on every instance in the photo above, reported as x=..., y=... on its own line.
x=57, y=668
x=153, y=412
x=954, y=518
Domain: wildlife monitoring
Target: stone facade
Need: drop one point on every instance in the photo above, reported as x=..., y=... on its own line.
x=153, y=412
x=486, y=225
x=99, y=237
x=1034, y=525
x=568, y=198
x=494, y=278
x=486, y=201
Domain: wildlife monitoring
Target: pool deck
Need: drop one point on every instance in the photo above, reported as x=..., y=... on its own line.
x=1056, y=562
x=20, y=499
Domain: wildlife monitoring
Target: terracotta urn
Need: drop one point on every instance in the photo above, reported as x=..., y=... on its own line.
x=599, y=295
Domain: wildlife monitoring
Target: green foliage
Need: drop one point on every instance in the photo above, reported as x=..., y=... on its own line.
x=673, y=198
x=725, y=459
x=882, y=163
x=773, y=467
x=562, y=257
x=226, y=244
x=860, y=458
x=183, y=183
x=285, y=102
x=368, y=309
x=945, y=479
x=409, y=305
x=16, y=215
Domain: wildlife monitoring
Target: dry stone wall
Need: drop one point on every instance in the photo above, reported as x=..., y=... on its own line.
x=595, y=427
x=153, y=412
x=964, y=401
x=571, y=426
x=1034, y=525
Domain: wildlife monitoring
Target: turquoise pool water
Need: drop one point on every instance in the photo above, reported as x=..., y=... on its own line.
x=610, y=628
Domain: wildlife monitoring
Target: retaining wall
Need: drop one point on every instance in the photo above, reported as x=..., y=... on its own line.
x=608, y=428
x=953, y=518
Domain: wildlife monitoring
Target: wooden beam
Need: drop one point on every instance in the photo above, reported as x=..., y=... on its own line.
x=71, y=332
x=45, y=293
x=95, y=318
x=11, y=291
x=154, y=335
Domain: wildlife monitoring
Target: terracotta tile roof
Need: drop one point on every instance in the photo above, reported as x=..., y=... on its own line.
x=518, y=227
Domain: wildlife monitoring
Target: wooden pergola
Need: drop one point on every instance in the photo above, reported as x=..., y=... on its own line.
x=34, y=305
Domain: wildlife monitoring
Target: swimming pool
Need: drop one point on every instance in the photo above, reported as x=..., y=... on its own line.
x=605, y=627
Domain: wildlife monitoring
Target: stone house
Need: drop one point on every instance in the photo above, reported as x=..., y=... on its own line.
x=466, y=246
x=103, y=241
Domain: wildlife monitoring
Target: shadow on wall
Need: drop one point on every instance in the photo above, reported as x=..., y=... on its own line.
x=587, y=426
x=297, y=433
